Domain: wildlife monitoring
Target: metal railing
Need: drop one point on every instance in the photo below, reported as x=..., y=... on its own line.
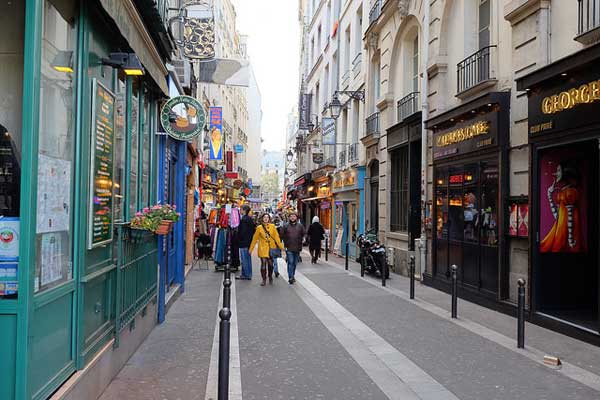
x=408, y=105
x=346, y=78
x=375, y=12
x=342, y=158
x=356, y=64
x=474, y=69
x=328, y=161
x=372, y=124
x=353, y=152
x=588, y=15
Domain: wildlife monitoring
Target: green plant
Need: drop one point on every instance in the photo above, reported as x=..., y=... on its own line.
x=150, y=218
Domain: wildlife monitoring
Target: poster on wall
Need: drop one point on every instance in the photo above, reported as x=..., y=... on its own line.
x=216, y=133
x=53, y=204
x=51, y=258
x=101, y=166
x=9, y=239
x=563, y=201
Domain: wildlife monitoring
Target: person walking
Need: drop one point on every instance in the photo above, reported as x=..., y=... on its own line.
x=244, y=236
x=316, y=233
x=293, y=234
x=269, y=244
x=277, y=221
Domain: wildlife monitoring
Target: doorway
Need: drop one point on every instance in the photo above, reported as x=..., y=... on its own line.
x=374, y=197
x=566, y=271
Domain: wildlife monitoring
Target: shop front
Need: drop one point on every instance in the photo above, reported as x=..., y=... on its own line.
x=320, y=205
x=301, y=192
x=78, y=161
x=469, y=185
x=564, y=137
x=348, y=214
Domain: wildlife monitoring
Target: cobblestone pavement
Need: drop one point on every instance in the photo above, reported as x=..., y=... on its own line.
x=335, y=335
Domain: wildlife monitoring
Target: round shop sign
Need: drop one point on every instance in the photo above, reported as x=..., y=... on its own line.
x=183, y=117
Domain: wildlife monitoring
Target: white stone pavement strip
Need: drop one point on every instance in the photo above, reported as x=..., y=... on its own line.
x=235, y=376
x=397, y=376
x=574, y=372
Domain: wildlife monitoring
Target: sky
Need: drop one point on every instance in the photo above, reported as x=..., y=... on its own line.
x=273, y=46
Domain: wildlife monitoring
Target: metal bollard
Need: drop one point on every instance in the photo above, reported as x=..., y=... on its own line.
x=521, y=314
x=224, y=326
x=326, y=248
x=412, y=277
x=384, y=272
x=454, y=290
x=347, y=254
x=227, y=288
x=362, y=264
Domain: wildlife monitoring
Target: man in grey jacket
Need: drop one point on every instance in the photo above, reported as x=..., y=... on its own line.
x=293, y=235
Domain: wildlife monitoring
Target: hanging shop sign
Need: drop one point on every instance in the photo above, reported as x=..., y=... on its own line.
x=304, y=111
x=238, y=184
x=328, y=129
x=216, y=133
x=317, y=155
x=101, y=169
x=239, y=148
x=198, y=42
x=231, y=175
x=565, y=103
x=183, y=118
x=229, y=161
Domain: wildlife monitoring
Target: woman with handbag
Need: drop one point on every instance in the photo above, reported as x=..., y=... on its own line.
x=269, y=246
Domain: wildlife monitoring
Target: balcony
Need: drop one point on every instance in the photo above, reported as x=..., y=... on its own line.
x=372, y=124
x=329, y=161
x=588, y=21
x=356, y=64
x=375, y=12
x=408, y=105
x=353, y=153
x=342, y=158
x=346, y=79
x=475, y=70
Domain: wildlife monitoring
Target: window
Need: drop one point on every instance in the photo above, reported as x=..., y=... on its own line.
x=146, y=154
x=399, y=190
x=134, y=138
x=120, y=105
x=55, y=152
x=484, y=23
x=375, y=84
x=358, y=32
x=347, y=50
x=326, y=86
x=415, y=64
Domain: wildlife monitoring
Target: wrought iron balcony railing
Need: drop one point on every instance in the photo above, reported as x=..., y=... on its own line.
x=346, y=78
x=356, y=64
x=408, y=105
x=372, y=124
x=474, y=69
x=588, y=21
x=353, y=152
x=342, y=159
x=375, y=12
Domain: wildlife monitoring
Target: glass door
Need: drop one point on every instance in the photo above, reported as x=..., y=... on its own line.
x=469, y=271
x=441, y=222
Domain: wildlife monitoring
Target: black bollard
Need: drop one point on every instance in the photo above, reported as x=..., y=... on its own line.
x=454, y=290
x=412, y=277
x=384, y=272
x=362, y=264
x=347, y=254
x=521, y=314
x=326, y=248
x=225, y=315
x=227, y=287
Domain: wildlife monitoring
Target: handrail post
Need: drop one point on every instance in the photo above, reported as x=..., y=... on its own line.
x=224, y=328
x=412, y=277
x=454, y=291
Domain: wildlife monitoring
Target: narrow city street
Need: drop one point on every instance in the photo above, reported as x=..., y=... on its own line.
x=335, y=335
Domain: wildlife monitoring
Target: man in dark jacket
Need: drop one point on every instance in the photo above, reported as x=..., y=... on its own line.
x=244, y=236
x=292, y=236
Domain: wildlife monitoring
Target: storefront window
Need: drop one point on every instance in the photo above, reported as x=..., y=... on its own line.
x=120, y=110
x=399, y=189
x=133, y=176
x=55, y=156
x=145, y=153
x=12, y=17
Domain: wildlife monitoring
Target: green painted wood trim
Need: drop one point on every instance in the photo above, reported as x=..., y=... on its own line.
x=152, y=180
x=126, y=194
x=31, y=104
x=55, y=382
x=79, y=210
x=140, y=158
x=96, y=274
x=9, y=306
x=48, y=296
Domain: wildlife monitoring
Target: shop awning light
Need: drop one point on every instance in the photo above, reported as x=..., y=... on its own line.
x=129, y=62
x=63, y=62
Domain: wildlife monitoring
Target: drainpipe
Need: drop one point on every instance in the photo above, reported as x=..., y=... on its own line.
x=424, y=117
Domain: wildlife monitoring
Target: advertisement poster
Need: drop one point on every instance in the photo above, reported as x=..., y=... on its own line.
x=216, y=133
x=328, y=129
x=563, y=201
x=513, y=220
x=51, y=258
x=102, y=171
x=9, y=239
x=9, y=282
x=53, y=202
x=523, y=229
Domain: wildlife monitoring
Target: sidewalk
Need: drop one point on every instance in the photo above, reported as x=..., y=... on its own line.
x=571, y=350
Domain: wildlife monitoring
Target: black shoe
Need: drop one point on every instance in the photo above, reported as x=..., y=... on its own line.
x=276, y=274
x=290, y=281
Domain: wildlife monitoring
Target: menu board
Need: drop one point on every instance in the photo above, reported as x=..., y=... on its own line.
x=101, y=166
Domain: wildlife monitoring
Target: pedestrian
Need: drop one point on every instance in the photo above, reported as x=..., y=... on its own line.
x=244, y=236
x=279, y=226
x=269, y=244
x=316, y=233
x=293, y=235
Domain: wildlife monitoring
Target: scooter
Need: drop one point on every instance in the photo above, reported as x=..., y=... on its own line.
x=372, y=254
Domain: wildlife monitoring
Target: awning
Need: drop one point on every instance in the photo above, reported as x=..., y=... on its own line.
x=131, y=26
x=315, y=198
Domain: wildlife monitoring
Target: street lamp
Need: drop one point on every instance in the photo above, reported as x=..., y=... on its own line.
x=335, y=106
x=290, y=156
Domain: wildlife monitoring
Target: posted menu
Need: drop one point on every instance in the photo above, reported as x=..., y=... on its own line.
x=101, y=174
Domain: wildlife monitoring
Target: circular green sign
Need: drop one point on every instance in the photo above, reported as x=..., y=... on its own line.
x=183, y=117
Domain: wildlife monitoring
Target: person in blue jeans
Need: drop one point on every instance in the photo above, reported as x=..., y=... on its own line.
x=279, y=225
x=293, y=235
x=244, y=237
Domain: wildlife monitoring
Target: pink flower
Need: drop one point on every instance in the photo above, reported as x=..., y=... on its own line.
x=138, y=214
x=174, y=207
x=179, y=214
x=146, y=209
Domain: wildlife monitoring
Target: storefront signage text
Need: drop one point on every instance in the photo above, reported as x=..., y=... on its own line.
x=462, y=134
x=565, y=100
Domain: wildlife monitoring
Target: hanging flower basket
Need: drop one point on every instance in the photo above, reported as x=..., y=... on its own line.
x=164, y=228
x=157, y=219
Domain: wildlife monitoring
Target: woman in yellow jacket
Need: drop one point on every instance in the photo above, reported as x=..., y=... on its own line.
x=267, y=238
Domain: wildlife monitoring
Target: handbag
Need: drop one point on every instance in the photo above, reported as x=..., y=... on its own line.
x=273, y=253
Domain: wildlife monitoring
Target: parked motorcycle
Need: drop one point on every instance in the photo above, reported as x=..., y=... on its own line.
x=372, y=256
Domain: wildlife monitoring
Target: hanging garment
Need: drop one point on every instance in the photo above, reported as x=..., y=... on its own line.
x=235, y=248
x=235, y=217
x=221, y=244
x=212, y=217
x=223, y=219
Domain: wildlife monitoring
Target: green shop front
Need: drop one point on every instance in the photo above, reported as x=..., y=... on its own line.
x=77, y=161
